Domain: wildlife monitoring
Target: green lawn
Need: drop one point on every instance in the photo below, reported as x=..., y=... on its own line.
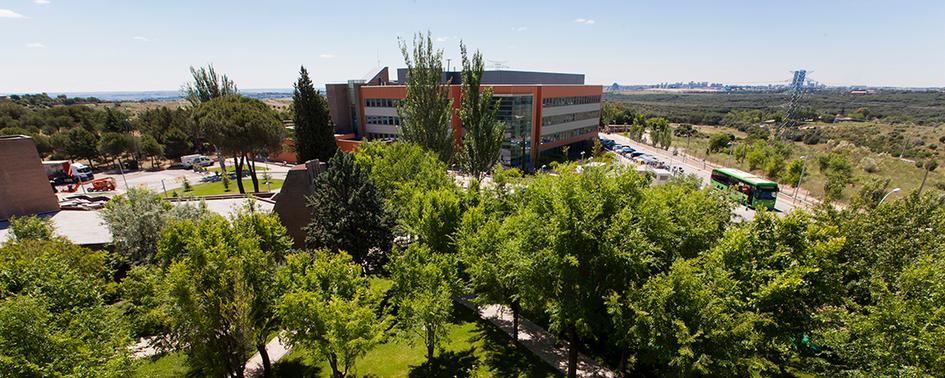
x=232, y=168
x=212, y=188
x=163, y=365
x=475, y=348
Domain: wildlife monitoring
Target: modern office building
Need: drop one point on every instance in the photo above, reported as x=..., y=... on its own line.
x=542, y=111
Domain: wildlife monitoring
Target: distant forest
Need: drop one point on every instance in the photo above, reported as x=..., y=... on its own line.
x=894, y=107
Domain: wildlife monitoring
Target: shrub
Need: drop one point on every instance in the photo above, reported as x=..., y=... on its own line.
x=869, y=165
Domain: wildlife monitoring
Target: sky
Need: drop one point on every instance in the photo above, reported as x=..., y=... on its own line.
x=94, y=45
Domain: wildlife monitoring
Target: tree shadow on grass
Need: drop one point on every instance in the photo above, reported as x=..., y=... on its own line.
x=296, y=368
x=446, y=364
x=505, y=358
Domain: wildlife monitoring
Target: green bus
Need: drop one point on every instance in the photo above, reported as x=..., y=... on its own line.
x=746, y=188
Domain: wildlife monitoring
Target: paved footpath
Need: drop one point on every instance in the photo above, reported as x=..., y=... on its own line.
x=276, y=349
x=538, y=341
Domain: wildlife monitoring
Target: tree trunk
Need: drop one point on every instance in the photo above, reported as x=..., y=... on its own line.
x=267, y=365
x=572, y=353
x=515, y=314
x=251, y=164
x=238, y=164
x=622, y=366
x=333, y=362
x=221, y=158
x=430, y=343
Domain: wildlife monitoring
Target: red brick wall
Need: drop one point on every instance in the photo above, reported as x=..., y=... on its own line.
x=24, y=187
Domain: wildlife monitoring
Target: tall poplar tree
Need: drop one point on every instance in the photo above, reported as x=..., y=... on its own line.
x=425, y=111
x=314, y=132
x=482, y=135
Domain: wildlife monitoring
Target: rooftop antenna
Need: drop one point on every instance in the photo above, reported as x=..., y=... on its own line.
x=498, y=65
x=448, y=64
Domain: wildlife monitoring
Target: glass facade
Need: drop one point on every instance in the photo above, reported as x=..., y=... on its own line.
x=516, y=112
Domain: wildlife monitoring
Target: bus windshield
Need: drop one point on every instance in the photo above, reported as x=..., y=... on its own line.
x=766, y=193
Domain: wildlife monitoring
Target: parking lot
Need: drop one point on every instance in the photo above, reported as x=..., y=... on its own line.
x=169, y=179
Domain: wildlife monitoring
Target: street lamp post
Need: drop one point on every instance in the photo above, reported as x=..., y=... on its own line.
x=797, y=188
x=888, y=194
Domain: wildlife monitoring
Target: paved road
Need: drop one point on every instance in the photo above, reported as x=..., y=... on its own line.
x=702, y=169
x=170, y=179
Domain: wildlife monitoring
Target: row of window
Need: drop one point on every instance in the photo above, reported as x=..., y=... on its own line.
x=383, y=120
x=572, y=100
x=382, y=136
x=381, y=102
x=570, y=117
x=567, y=134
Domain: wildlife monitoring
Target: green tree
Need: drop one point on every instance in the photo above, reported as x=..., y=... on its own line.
x=401, y=169
x=792, y=174
x=720, y=142
x=31, y=228
x=494, y=264
x=53, y=317
x=348, y=213
x=661, y=134
x=114, y=145
x=220, y=281
x=77, y=143
x=425, y=112
x=329, y=308
x=482, y=131
x=207, y=85
x=424, y=285
x=563, y=224
x=432, y=217
x=135, y=220
x=241, y=127
x=839, y=172
x=314, y=132
x=151, y=148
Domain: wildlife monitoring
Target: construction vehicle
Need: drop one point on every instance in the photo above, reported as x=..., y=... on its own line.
x=97, y=185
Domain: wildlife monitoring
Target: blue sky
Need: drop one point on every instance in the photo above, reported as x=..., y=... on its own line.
x=92, y=45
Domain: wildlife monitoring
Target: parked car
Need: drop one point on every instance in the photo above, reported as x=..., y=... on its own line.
x=188, y=161
x=637, y=153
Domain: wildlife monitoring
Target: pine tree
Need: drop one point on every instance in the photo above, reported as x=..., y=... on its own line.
x=314, y=132
x=482, y=138
x=348, y=213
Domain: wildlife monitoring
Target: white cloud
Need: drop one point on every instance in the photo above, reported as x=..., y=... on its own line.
x=442, y=39
x=6, y=13
x=327, y=56
x=35, y=45
x=584, y=21
x=41, y=2
x=521, y=28
x=140, y=38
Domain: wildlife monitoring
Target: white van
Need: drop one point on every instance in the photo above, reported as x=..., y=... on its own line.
x=82, y=171
x=188, y=161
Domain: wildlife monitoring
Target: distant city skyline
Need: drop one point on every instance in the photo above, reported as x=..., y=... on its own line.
x=95, y=46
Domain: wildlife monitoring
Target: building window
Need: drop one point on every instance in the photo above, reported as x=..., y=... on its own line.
x=381, y=102
x=570, y=117
x=383, y=120
x=565, y=135
x=549, y=102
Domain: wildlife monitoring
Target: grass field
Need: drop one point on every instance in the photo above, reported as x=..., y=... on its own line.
x=212, y=188
x=475, y=348
x=163, y=366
